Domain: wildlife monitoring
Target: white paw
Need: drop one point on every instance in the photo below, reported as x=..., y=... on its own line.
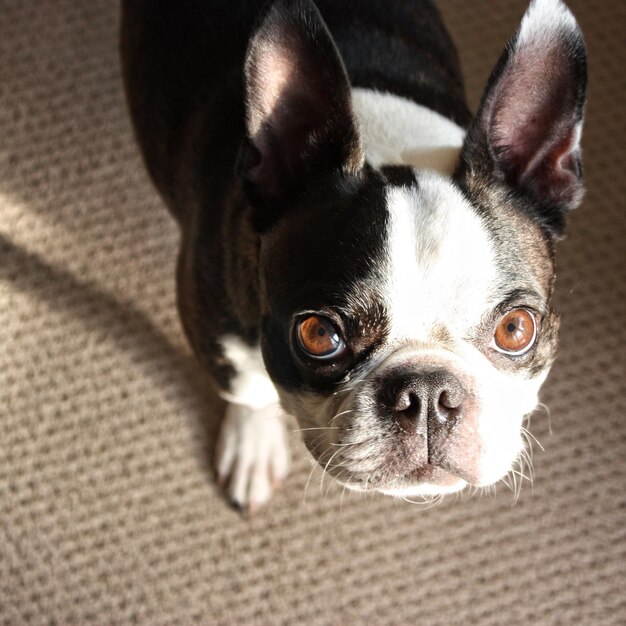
x=252, y=454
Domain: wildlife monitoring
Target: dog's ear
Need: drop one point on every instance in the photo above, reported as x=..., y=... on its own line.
x=528, y=127
x=299, y=116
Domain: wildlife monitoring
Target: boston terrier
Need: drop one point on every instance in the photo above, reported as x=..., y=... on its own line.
x=357, y=250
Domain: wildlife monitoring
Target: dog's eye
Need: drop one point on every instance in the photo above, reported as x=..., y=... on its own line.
x=319, y=338
x=516, y=332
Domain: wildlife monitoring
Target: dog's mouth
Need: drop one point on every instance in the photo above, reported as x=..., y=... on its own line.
x=368, y=453
x=432, y=474
x=388, y=474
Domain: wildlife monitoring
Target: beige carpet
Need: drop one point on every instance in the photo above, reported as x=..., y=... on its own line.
x=108, y=511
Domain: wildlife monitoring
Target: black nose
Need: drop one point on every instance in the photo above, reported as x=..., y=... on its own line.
x=426, y=401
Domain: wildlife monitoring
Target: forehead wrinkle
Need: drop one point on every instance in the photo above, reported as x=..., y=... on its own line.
x=531, y=261
x=440, y=268
x=525, y=255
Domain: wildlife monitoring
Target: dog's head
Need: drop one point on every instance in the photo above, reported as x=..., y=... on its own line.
x=407, y=318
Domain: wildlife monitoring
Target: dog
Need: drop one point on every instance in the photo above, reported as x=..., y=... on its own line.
x=356, y=248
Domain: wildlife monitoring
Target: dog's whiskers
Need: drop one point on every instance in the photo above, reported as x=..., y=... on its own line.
x=340, y=414
x=546, y=410
x=427, y=502
x=356, y=385
x=332, y=456
x=301, y=430
x=314, y=464
x=528, y=434
x=350, y=443
x=343, y=493
x=526, y=460
x=306, y=486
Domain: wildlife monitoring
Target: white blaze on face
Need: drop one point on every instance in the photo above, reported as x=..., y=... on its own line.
x=440, y=265
x=441, y=273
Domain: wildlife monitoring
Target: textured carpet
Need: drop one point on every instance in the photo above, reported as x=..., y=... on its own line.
x=108, y=510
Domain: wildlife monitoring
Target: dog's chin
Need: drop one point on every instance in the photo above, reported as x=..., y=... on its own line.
x=429, y=480
x=425, y=490
x=426, y=481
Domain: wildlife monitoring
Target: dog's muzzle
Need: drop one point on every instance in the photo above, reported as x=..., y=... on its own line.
x=432, y=408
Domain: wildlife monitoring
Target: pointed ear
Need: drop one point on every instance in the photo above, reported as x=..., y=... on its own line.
x=298, y=103
x=528, y=127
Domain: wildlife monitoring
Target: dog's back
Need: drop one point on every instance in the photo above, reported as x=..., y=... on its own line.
x=196, y=101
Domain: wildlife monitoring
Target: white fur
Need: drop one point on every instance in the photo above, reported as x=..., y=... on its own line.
x=544, y=22
x=251, y=386
x=395, y=130
x=440, y=265
x=252, y=451
x=441, y=273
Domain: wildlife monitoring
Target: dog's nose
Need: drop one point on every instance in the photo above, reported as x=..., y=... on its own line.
x=427, y=401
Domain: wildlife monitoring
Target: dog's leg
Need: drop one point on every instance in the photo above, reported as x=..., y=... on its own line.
x=252, y=456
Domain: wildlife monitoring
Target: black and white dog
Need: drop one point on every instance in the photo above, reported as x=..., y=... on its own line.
x=355, y=246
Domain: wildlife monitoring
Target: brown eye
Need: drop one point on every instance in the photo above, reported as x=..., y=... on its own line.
x=516, y=332
x=319, y=338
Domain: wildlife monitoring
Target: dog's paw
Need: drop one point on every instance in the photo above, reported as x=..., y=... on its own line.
x=252, y=456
